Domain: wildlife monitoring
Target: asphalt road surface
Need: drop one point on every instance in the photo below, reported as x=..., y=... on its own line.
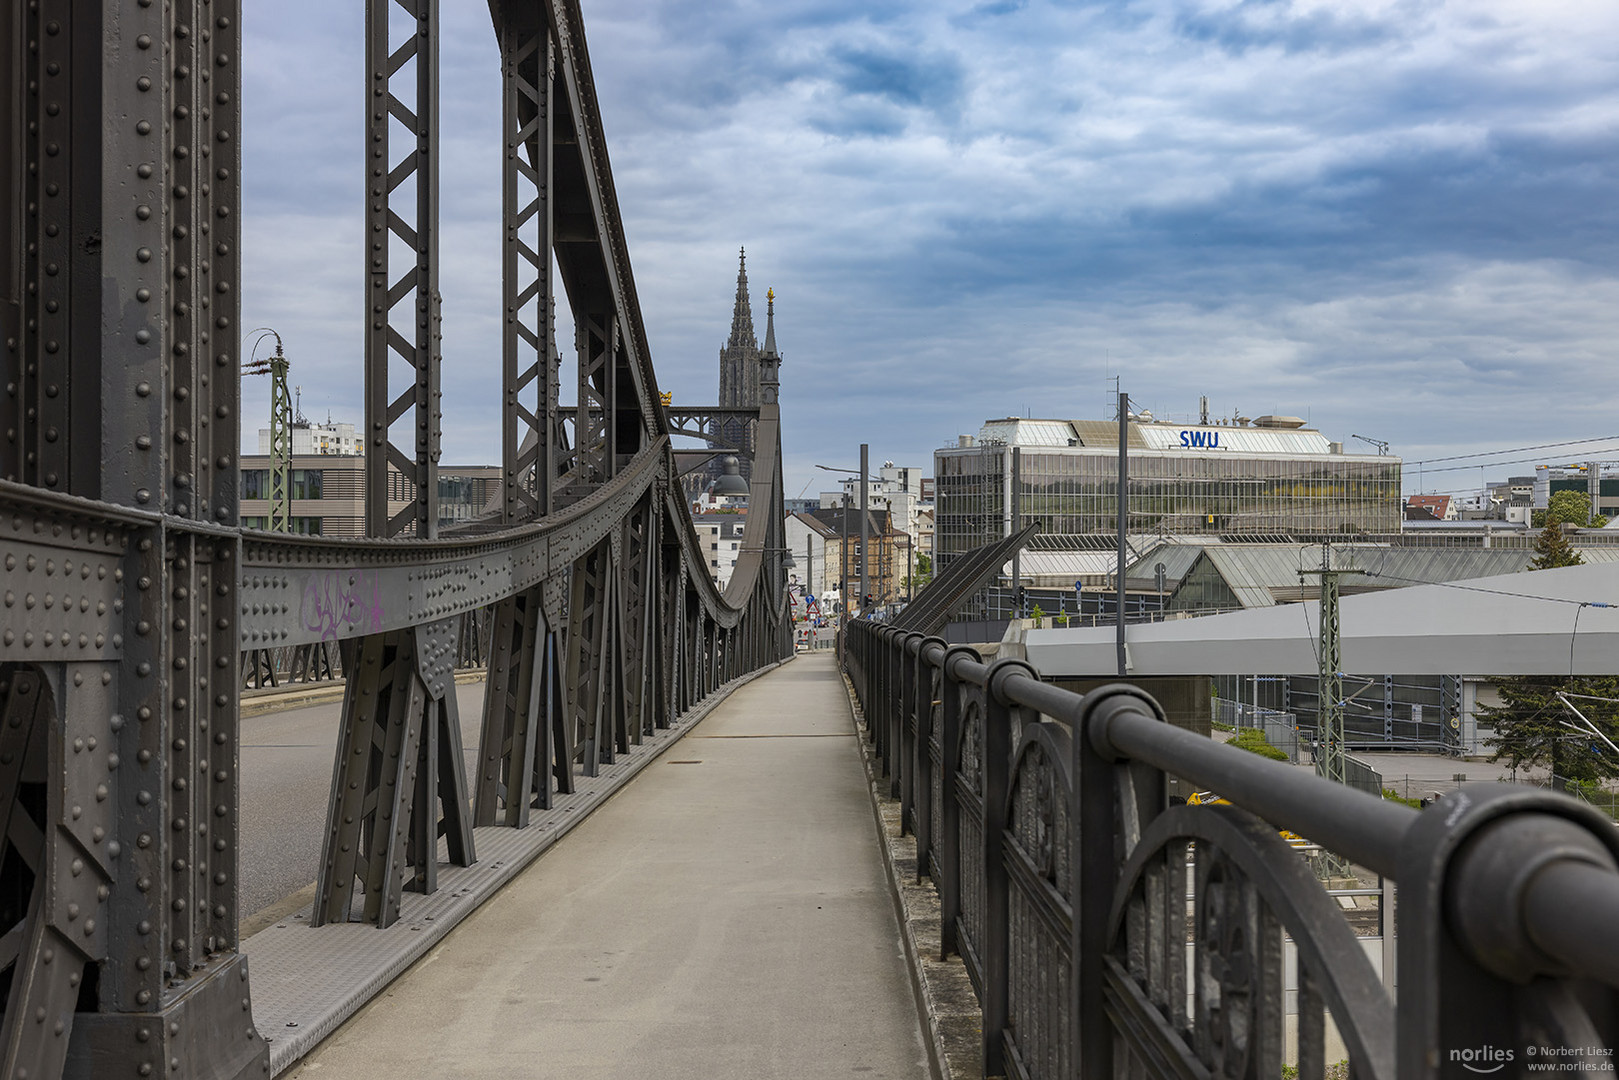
x=286, y=780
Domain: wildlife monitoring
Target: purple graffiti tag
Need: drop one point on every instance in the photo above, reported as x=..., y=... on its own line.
x=340, y=601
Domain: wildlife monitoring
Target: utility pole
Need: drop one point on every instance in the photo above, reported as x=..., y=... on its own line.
x=1124, y=479
x=1017, y=527
x=865, y=531
x=1329, y=757
x=280, y=434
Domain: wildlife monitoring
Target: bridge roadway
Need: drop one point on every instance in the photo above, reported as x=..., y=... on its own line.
x=725, y=914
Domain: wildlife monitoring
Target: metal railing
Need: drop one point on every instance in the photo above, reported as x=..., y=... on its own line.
x=1281, y=729
x=1063, y=868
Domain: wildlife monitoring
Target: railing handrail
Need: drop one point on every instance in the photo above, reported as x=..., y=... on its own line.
x=1500, y=885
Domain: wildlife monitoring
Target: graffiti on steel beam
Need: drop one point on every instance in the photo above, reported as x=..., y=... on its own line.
x=341, y=603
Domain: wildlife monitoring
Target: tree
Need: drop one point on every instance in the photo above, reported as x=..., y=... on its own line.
x=924, y=574
x=1571, y=507
x=1531, y=729
x=1552, y=548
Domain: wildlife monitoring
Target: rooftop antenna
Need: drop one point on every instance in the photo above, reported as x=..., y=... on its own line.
x=1203, y=410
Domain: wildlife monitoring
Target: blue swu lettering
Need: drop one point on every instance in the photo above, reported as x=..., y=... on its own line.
x=1200, y=439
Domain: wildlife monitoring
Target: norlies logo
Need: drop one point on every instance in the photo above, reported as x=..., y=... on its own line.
x=1482, y=1059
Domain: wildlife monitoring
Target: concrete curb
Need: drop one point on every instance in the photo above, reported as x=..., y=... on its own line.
x=274, y=699
x=945, y=1000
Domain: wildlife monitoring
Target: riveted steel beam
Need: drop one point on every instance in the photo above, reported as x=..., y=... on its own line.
x=402, y=298
x=529, y=417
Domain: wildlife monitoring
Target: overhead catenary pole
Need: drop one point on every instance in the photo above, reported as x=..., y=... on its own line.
x=280, y=474
x=865, y=531
x=843, y=561
x=1017, y=527
x=280, y=444
x=1329, y=757
x=1124, y=478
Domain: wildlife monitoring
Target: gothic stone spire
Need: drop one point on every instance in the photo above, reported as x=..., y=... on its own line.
x=739, y=359
x=742, y=314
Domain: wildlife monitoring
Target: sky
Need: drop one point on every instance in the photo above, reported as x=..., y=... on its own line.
x=1395, y=218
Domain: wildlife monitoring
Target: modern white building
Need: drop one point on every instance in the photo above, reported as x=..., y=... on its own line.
x=1273, y=476
x=310, y=437
x=1597, y=479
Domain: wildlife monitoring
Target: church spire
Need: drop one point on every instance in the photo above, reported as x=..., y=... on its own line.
x=742, y=315
x=770, y=322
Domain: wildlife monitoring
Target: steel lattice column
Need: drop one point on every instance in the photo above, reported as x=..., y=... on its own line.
x=123, y=379
x=529, y=420
x=595, y=414
x=410, y=217
x=280, y=446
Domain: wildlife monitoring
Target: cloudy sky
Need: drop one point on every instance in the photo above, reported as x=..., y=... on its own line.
x=1394, y=217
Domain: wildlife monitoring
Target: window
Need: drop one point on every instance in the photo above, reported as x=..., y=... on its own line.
x=306, y=483
x=302, y=526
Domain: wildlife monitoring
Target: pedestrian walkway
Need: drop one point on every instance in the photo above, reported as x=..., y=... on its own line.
x=726, y=914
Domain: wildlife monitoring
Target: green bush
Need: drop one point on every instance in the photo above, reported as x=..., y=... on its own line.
x=1253, y=740
x=1394, y=796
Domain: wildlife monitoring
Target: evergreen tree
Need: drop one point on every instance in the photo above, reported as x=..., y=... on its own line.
x=1530, y=728
x=1552, y=548
x=1530, y=723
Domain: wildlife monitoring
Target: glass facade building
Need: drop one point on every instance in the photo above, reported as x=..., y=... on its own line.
x=1274, y=481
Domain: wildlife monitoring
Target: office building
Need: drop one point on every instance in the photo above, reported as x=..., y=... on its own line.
x=1271, y=477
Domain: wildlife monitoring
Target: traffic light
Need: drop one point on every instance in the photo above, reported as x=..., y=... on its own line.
x=868, y=599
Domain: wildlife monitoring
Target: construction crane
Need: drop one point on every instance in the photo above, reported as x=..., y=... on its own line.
x=280, y=429
x=1382, y=447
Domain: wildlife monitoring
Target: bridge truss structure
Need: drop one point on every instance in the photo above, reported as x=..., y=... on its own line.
x=131, y=593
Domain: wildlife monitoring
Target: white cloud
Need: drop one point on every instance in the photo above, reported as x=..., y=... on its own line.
x=1390, y=214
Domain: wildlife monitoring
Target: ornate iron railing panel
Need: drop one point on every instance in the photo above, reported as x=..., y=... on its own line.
x=1111, y=933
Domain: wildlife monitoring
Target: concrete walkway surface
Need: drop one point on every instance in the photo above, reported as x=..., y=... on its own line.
x=726, y=914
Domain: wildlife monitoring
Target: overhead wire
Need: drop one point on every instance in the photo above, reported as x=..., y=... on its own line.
x=1514, y=450
x=1493, y=592
x=1468, y=468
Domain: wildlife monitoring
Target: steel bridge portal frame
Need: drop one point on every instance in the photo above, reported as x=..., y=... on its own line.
x=131, y=592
